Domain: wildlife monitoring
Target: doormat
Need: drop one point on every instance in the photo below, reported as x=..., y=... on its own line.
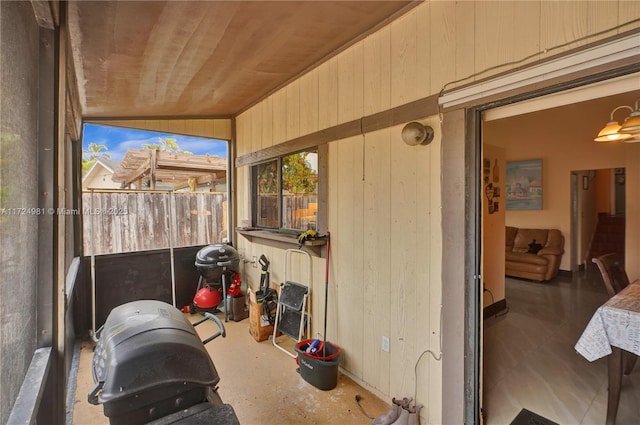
x=526, y=417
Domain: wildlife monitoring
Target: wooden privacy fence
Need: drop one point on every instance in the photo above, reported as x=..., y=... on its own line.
x=298, y=211
x=127, y=221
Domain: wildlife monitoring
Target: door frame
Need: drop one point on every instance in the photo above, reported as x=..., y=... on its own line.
x=462, y=206
x=575, y=211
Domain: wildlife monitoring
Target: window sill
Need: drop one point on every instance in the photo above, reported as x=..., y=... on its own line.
x=283, y=241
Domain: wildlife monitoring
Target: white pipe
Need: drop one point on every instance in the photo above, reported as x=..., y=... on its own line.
x=173, y=268
x=93, y=274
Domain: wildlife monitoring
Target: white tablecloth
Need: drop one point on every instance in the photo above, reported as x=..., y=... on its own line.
x=615, y=323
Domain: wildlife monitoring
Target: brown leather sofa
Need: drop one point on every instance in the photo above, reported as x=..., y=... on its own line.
x=521, y=258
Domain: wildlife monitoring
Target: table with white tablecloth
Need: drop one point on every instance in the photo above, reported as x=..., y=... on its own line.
x=615, y=326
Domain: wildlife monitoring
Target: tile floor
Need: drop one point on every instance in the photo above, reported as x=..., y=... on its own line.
x=530, y=361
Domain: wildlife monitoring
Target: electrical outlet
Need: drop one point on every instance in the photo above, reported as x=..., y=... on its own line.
x=385, y=344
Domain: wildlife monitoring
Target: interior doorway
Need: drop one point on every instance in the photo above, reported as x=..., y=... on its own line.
x=573, y=170
x=598, y=204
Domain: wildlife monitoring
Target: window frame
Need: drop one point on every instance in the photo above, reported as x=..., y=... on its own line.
x=321, y=152
x=254, y=193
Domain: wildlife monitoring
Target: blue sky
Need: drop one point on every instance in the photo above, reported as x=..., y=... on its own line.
x=118, y=140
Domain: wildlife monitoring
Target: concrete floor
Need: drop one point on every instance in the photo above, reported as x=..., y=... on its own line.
x=529, y=362
x=259, y=381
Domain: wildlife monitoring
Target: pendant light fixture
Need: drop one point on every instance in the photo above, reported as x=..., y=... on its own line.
x=628, y=132
x=632, y=124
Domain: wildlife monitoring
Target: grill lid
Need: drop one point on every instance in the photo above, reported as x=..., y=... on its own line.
x=146, y=345
x=218, y=255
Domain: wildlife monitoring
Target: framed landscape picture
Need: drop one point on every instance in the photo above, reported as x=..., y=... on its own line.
x=524, y=185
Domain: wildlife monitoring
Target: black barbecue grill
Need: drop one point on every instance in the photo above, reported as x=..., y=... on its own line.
x=217, y=265
x=214, y=260
x=150, y=364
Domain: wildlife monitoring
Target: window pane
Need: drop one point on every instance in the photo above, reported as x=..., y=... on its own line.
x=267, y=195
x=300, y=190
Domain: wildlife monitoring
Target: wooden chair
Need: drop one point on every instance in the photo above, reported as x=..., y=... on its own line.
x=615, y=279
x=613, y=273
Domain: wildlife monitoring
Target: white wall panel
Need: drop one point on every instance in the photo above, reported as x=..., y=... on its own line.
x=279, y=116
x=627, y=12
x=429, y=227
x=384, y=197
x=257, y=123
x=465, y=35
x=422, y=83
x=292, y=96
x=442, y=44
x=404, y=56
x=243, y=197
x=347, y=238
x=378, y=280
x=351, y=83
x=404, y=258
x=309, y=95
x=267, y=123
x=560, y=23
x=602, y=15
x=243, y=140
x=377, y=72
x=328, y=93
x=335, y=255
x=493, y=23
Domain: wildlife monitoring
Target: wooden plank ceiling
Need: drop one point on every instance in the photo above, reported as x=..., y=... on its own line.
x=215, y=58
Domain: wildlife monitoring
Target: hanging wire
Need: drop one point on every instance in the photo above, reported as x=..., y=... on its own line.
x=435, y=356
x=526, y=58
x=544, y=51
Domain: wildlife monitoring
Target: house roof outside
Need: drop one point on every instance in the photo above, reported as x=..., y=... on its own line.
x=102, y=167
x=109, y=164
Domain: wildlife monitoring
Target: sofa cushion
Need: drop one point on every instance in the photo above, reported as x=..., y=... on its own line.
x=523, y=257
x=525, y=236
x=526, y=270
x=554, y=240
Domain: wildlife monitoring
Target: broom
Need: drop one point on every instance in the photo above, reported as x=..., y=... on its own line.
x=326, y=296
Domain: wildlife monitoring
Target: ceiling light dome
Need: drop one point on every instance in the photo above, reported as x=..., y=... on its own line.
x=631, y=125
x=415, y=133
x=612, y=130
